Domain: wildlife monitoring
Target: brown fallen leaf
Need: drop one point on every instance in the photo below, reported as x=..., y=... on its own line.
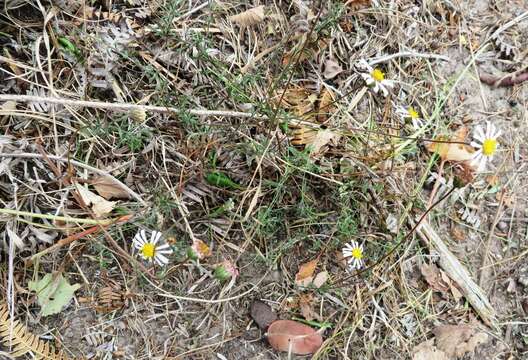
x=304, y=276
x=262, y=314
x=108, y=188
x=306, y=307
x=452, y=151
x=457, y=340
x=100, y=206
x=433, y=276
x=326, y=107
x=295, y=337
x=358, y=4
x=249, y=17
x=427, y=351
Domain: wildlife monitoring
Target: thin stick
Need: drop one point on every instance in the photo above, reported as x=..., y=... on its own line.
x=407, y=54
x=79, y=164
x=126, y=106
x=69, y=239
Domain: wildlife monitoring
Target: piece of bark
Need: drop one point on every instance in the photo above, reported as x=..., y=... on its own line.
x=458, y=273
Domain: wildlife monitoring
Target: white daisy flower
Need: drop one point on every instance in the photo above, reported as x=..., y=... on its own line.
x=149, y=249
x=375, y=78
x=408, y=112
x=354, y=252
x=486, y=145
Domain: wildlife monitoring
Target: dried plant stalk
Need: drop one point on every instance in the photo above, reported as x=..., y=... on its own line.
x=458, y=273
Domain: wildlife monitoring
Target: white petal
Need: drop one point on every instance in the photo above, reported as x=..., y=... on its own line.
x=154, y=238
x=384, y=90
x=476, y=145
x=162, y=260
x=480, y=133
x=497, y=133
x=388, y=83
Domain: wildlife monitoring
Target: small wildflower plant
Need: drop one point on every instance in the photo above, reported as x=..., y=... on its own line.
x=409, y=112
x=375, y=78
x=353, y=253
x=486, y=144
x=151, y=249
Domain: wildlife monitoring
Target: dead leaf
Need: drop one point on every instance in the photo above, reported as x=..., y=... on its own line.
x=332, y=69
x=458, y=233
x=100, y=206
x=249, y=17
x=323, y=138
x=304, y=276
x=295, y=337
x=320, y=279
x=457, y=340
x=433, y=276
x=358, y=4
x=427, y=351
x=306, y=307
x=297, y=99
x=262, y=314
x=326, y=108
x=108, y=188
x=452, y=151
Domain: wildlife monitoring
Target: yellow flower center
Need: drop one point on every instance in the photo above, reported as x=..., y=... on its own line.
x=413, y=113
x=357, y=254
x=148, y=250
x=489, y=146
x=377, y=75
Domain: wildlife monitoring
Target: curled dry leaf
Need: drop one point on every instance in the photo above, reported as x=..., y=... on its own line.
x=295, y=337
x=262, y=314
x=100, y=206
x=108, y=188
x=454, y=151
x=249, y=17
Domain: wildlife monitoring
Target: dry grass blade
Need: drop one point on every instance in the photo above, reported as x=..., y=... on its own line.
x=23, y=342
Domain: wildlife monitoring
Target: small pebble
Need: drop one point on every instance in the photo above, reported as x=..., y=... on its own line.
x=523, y=280
x=502, y=225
